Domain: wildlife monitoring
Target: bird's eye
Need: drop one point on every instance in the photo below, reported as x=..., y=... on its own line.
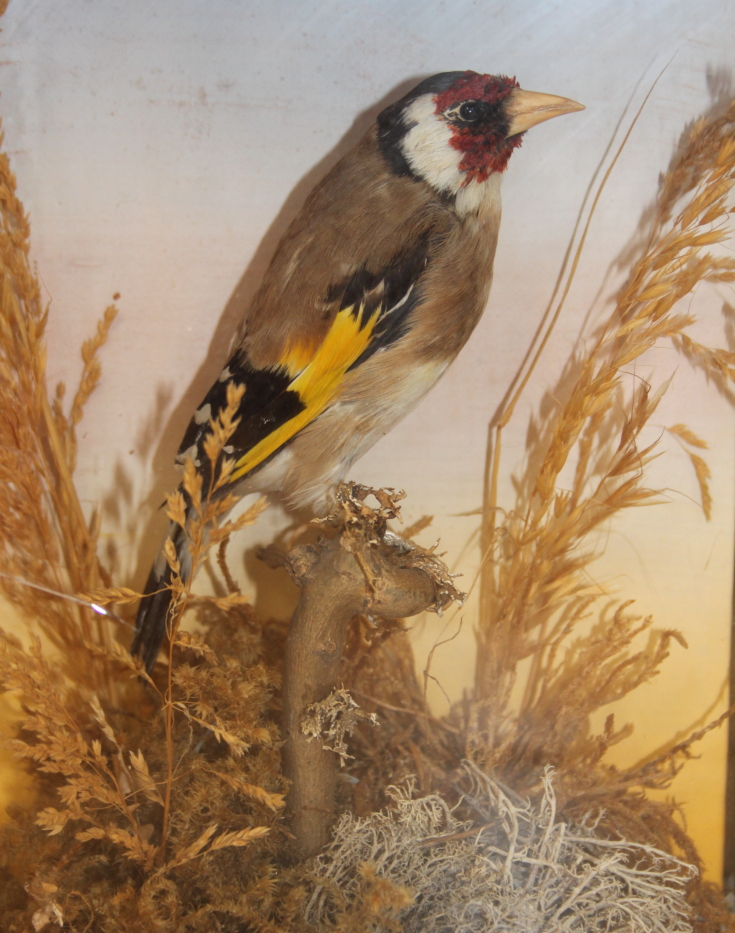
x=471, y=111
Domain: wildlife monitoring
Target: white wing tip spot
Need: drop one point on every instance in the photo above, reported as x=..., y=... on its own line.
x=189, y=453
x=203, y=414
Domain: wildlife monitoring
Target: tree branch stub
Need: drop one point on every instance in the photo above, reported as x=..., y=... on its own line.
x=339, y=578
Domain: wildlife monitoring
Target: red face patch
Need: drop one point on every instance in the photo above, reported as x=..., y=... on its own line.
x=485, y=147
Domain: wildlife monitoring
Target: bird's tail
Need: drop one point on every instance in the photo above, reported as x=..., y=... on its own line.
x=153, y=611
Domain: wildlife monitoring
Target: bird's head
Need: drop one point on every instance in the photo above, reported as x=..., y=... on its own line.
x=461, y=127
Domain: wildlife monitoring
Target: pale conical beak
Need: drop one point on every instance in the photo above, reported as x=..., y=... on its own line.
x=525, y=109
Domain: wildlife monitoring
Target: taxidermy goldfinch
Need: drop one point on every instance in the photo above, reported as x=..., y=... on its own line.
x=372, y=292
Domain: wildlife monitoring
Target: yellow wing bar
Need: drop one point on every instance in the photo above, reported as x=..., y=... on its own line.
x=318, y=383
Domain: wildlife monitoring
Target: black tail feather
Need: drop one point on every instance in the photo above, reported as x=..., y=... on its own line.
x=150, y=623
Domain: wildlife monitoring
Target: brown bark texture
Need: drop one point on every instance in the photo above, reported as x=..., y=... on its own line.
x=339, y=578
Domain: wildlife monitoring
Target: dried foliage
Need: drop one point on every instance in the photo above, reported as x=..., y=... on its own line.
x=44, y=536
x=203, y=531
x=333, y=720
x=542, y=627
x=107, y=767
x=366, y=526
x=140, y=782
x=511, y=866
x=160, y=797
x=536, y=597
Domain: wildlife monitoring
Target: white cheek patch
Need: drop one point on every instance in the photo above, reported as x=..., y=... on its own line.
x=427, y=146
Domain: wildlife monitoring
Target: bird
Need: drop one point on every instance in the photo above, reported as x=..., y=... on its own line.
x=373, y=290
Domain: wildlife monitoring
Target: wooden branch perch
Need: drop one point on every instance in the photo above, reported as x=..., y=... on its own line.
x=339, y=578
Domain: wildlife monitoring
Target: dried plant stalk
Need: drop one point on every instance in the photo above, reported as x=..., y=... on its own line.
x=111, y=798
x=44, y=537
x=113, y=795
x=534, y=591
x=202, y=530
x=130, y=801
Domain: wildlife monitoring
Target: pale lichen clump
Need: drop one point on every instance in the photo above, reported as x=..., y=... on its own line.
x=515, y=867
